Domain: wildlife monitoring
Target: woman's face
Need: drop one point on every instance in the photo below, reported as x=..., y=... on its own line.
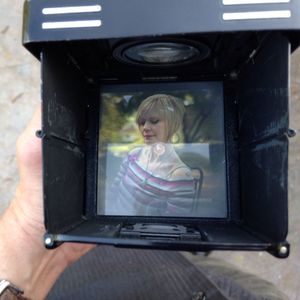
x=153, y=128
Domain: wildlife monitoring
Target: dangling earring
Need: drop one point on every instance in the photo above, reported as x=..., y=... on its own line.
x=175, y=138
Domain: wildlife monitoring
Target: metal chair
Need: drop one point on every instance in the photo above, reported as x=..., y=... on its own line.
x=197, y=173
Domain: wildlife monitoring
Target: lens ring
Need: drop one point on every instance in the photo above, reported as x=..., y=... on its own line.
x=161, y=53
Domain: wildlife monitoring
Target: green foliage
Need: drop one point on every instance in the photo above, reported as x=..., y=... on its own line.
x=202, y=122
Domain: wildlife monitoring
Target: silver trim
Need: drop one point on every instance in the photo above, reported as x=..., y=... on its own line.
x=71, y=24
x=254, y=15
x=71, y=9
x=3, y=285
x=239, y=2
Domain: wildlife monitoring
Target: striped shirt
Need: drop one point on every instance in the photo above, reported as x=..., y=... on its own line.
x=136, y=191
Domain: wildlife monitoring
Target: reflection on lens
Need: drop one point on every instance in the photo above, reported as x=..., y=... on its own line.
x=161, y=53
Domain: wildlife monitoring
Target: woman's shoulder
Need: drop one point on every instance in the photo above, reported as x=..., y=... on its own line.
x=135, y=150
x=134, y=153
x=181, y=172
x=179, y=169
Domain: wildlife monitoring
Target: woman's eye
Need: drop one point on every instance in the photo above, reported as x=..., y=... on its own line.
x=154, y=121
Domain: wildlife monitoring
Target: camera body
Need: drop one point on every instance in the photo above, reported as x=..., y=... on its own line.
x=229, y=56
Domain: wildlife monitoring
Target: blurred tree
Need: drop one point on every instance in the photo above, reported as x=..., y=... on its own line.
x=203, y=121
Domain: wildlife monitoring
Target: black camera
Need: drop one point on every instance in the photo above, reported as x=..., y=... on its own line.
x=165, y=123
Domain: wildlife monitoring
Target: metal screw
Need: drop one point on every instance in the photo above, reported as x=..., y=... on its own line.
x=39, y=133
x=48, y=241
x=283, y=250
x=291, y=132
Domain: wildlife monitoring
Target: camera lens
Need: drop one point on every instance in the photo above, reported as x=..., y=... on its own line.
x=161, y=53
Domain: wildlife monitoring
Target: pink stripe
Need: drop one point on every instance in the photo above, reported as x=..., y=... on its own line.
x=147, y=187
x=150, y=188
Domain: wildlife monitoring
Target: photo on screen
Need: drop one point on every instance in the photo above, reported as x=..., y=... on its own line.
x=161, y=150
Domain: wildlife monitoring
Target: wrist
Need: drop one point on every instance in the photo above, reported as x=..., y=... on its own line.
x=23, y=259
x=10, y=292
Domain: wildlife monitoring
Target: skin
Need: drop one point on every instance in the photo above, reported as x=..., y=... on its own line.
x=153, y=129
x=24, y=261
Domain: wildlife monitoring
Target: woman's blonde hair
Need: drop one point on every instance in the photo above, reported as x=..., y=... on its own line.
x=168, y=107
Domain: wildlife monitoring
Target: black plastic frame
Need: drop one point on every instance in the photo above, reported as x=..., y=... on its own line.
x=70, y=125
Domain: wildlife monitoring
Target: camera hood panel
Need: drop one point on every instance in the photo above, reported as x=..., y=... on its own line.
x=250, y=42
x=56, y=20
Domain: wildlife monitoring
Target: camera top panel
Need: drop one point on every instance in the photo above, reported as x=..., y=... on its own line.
x=58, y=20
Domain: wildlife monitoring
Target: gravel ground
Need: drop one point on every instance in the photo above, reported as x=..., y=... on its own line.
x=19, y=95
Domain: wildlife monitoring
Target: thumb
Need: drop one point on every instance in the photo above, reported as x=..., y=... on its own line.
x=29, y=153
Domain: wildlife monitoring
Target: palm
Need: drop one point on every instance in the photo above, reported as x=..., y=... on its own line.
x=24, y=220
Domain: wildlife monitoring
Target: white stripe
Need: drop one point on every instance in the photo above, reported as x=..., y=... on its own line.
x=238, y=2
x=71, y=9
x=253, y=15
x=71, y=24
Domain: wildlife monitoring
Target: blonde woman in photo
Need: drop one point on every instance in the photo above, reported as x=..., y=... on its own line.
x=152, y=179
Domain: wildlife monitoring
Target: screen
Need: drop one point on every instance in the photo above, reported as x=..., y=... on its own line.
x=161, y=150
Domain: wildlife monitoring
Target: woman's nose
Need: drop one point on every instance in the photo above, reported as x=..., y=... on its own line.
x=147, y=125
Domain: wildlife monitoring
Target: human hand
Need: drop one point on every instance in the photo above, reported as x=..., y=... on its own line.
x=24, y=261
